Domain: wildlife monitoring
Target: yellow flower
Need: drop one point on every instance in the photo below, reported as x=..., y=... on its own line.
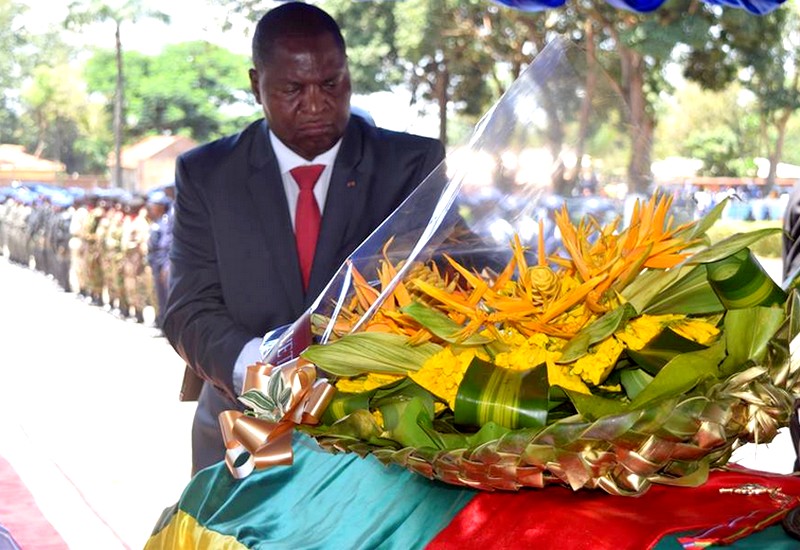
x=525, y=354
x=365, y=383
x=376, y=414
x=639, y=331
x=595, y=366
x=560, y=375
x=698, y=330
x=511, y=337
x=442, y=373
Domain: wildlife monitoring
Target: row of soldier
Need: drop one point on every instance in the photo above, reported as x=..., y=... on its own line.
x=111, y=249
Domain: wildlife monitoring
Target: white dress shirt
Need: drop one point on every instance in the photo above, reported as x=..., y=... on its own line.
x=287, y=161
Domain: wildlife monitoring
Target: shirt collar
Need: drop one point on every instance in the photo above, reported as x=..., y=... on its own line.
x=288, y=159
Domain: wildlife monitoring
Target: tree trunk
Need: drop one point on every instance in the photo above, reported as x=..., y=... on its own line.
x=442, y=83
x=586, y=104
x=777, y=152
x=641, y=122
x=41, y=142
x=118, y=114
x=555, y=141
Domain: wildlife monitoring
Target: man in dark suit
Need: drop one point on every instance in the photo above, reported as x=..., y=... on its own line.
x=241, y=264
x=791, y=234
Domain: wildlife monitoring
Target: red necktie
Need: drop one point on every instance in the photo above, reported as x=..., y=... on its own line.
x=307, y=217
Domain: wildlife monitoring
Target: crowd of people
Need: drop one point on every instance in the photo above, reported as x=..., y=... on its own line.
x=107, y=246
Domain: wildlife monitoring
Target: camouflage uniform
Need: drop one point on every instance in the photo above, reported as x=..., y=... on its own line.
x=113, y=255
x=18, y=238
x=92, y=235
x=137, y=274
x=60, y=246
x=77, y=269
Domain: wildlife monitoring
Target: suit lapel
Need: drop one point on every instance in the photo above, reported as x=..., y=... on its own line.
x=266, y=190
x=345, y=200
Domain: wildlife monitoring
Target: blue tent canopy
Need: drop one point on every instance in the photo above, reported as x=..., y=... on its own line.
x=758, y=7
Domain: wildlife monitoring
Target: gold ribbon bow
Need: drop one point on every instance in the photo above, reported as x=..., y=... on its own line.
x=281, y=397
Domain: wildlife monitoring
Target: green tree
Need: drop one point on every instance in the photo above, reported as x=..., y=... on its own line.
x=13, y=39
x=462, y=55
x=636, y=50
x=52, y=99
x=87, y=12
x=369, y=29
x=66, y=125
x=762, y=53
x=430, y=47
x=718, y=127
x=791, y=150
x=193, y=88
x=773, y=76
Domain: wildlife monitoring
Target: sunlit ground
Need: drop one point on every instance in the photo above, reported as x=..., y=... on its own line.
x=89, y=415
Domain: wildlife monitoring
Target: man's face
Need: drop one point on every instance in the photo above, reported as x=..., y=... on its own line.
x=305, y=92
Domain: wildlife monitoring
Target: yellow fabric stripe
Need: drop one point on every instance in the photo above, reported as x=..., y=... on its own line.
x=184, y=533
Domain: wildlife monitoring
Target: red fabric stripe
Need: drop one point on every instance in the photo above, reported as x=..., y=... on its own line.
x=557, y=517
x=20, y=515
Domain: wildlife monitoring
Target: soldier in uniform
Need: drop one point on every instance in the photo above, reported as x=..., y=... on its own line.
x=92, y=252
x=76, y=268
x=114, y=282
x=21, y=239
x=35, y=233
x=158, y=210
x=137, y=276
x=59, y=241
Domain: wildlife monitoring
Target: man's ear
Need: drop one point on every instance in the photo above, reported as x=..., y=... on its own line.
x=253, y=73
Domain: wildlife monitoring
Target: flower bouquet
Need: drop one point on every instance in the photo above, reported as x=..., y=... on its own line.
x=492, y=335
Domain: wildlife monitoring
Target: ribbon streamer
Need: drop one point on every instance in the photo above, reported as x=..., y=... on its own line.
x=268, y=441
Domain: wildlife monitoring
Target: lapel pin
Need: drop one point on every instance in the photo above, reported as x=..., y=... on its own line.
x=351, y=183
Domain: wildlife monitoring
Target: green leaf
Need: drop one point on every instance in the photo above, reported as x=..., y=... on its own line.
x=704, y=224
x=649, y=284
x=635, y=268
x=731, y=245
x=682, y=374
x=739, y=281
x=779, y=353
x=661, y=349
x=793, y=313
x=360, y=424
x=441, y=325
x=747, y=333
x=403, y=419
x=514, y=399
x=634, y=381
x=488, y=432
x=404, y=389
x=365, y=352
x=697, y=475
x=592, y=407
x=272, y=403
x=595, y=332
x=343, y=404
x=690, y=295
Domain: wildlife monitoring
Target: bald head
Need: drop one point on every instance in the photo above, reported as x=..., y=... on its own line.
x=291, y=20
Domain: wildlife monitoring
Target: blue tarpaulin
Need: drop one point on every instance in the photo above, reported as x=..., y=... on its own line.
x=758, y=7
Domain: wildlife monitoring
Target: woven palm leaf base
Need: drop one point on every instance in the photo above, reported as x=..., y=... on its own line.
x=675, y=442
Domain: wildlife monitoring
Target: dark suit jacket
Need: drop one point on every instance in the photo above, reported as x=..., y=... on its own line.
x=235, y=273
x=791, y=233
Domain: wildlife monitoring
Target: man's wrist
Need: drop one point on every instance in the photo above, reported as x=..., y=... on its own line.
x=248, y=356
